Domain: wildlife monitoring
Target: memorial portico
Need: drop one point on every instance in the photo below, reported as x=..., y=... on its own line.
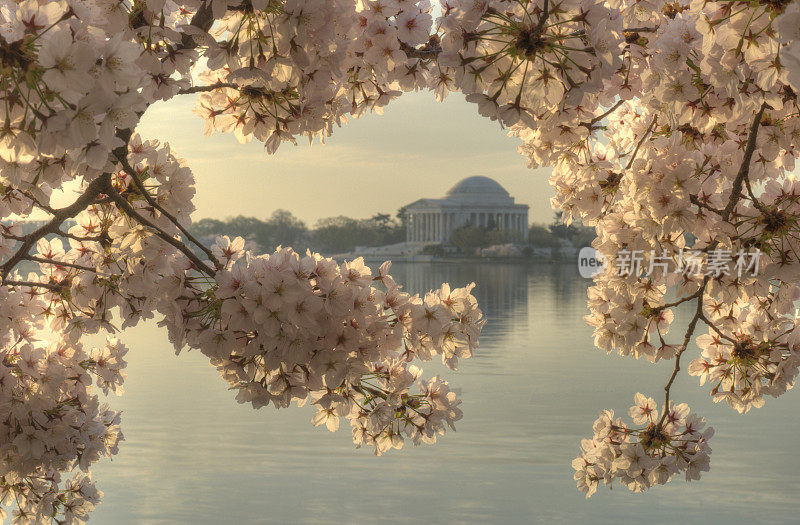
x=475, y=201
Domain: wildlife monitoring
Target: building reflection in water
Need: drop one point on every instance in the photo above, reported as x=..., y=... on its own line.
x=502, y=290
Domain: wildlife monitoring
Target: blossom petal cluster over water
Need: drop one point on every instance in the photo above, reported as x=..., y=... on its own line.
x=651, y=452
x=670, y=126
x=278, y=327
x=282, y=328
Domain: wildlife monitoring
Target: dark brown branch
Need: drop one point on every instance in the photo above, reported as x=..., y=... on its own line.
x=687, y=337
x=678, y=302
x=544, y=16
x=54, y=262
x=711, y=325
x=150, y=200
x=59, y=216
x=640, y=29
x=125, y=206
x=210, y=87
x=430, y=50
x=744, y=169
x=760, y=207
x=697, y=202
x=60, y=233
x=32, y=284
x=12, y=237
x=79, y=238
x=45, y=207
x=598, y=118
x=641, y=141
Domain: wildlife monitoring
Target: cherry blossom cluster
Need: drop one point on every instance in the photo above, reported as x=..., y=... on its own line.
x=525, y=61
x=283, y=328
x=747, y=356
x=289, y=68
x=52, y=418
x=283, y=69
x=52, y=422
x=76, y=75
x=671, y=127
x=693, y=154
x=650, y=452
x=279, y=328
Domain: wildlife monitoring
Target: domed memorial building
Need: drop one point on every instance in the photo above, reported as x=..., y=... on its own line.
x=475, y=201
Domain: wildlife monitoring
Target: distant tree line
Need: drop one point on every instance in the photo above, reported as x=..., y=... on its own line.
x=554, y=236
x=343, y=234
x=329, y=235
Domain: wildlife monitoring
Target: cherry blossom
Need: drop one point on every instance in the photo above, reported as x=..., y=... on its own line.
x=650, y=453
x=670, y=127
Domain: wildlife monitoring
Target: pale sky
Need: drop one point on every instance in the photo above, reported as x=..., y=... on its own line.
x=417, y=148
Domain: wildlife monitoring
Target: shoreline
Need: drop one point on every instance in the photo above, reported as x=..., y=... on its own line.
x=427, y=259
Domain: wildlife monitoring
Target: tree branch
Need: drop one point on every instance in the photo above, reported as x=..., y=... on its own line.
x=641, y=141
x=678, y=302
x=54, y=262
x=687, y=337
x=79, y=238
x=125, y=206
x=652, y=29
x=598, y=118
x=760, y=207
x=711, y=325
x=744, y=169
x=59, y=216
x=210, y=87
x=700, y=204
x=31, y=284
x=429, y=51
x=543, y=17
x=150, y=200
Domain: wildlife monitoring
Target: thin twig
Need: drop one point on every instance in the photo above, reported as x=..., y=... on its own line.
x=59, y=216
x=544, y=16
x=711, y=325
x=149, y=198
x=641, y=141
x=744, y=169
x=695, y=295
x=687, y=337
x=640, y=29
x=697, y=202
x=210, y=87
x=760, y=207
x=42, y=260
x=79, y=238
x=125, y=206
x=32, y=284
x=598, y=118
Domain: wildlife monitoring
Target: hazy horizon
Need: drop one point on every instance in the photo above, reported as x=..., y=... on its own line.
x=426, y=146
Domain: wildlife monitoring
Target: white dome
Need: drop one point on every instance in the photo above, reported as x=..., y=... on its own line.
x=479, y=191
x=477, y=185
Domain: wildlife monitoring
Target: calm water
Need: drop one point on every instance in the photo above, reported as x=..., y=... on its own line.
x=193, y=455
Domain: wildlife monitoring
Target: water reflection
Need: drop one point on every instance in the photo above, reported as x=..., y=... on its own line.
x=501, y=291
x=193, y=455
